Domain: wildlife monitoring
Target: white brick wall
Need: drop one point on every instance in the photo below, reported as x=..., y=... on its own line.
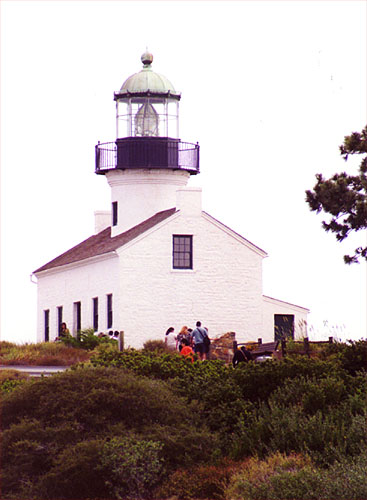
x=223, y=290
x=141, y=193
x=63, y=287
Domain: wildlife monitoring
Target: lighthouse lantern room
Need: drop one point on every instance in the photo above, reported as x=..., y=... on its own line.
x=147, y=104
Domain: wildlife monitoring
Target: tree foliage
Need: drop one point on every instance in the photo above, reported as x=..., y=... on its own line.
x=344, y=196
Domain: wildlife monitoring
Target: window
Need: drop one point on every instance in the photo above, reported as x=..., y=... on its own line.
x=182, y=252
x=46, y=316
x=95, y=314
x=77, y=323
x=59, y=319
x=109, y=311
x=114, y=213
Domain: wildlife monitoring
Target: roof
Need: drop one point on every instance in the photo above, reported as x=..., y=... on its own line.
x=102, y=242
x=272, y=299
x=147, y=81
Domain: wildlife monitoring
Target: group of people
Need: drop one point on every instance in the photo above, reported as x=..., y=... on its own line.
x=189, y=341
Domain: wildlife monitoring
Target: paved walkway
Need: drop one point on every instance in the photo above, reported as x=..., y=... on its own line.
x=36, y=371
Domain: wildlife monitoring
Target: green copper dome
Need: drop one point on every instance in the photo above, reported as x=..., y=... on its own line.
x=147, y=81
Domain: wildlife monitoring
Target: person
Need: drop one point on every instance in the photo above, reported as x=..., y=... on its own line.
x=241, y=355
x=198, y=338
x=64, y=331
x=189, y=337
x=206, y=344
x=186, y=350
x=184, y=334
x=170, y=339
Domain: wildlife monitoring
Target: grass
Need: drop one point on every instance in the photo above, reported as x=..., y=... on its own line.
x=42, y=354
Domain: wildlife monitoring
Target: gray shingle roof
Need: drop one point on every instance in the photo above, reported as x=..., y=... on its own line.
x=102, y=242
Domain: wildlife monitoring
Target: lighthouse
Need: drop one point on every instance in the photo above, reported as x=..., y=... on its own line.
x=148, y=162
x=157, y=259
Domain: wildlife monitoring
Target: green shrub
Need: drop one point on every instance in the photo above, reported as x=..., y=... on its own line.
x=28, y=449
x=294, y=477
x=10, y=379
x=96, y=397
x=259, y=381
x=133, y=466
x=75, y=474
x=325, y=437
x=88, y=340
x=352, y=356
x=311, y=394
x=43, y=418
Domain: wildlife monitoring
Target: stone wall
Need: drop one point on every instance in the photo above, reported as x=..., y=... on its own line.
x=222, y=347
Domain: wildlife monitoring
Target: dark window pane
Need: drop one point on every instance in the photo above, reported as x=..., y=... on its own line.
x=182, y=252
x=109, y=311
x=59, y=318
x=95, y=314
x=114, y=213
x=47, y=324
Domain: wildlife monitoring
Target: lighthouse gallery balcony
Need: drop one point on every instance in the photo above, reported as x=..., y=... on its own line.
x=147, y=152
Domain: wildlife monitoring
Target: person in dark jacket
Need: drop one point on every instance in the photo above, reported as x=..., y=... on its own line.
x=242, y=355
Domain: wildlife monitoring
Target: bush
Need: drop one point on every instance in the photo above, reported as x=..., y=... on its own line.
x=311, y=394
x=10, y=379
x=205, y=481
x=134, y=466
x=156, y=346
x=294, y=477
x=28, y=449
x=88, y=340
x=279, y=476
x=45, y=423
x=94, y=398
x=75, y=474
x=259, y=381
x=325, y=437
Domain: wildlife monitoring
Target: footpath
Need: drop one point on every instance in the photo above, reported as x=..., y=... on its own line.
x=36, y=371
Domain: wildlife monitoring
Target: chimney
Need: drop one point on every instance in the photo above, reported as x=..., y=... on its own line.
x=188, y=201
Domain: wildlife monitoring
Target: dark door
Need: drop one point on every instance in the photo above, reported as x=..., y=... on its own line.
x=283, y=326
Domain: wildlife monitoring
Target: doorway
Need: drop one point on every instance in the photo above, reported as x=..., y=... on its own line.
x=283, y=327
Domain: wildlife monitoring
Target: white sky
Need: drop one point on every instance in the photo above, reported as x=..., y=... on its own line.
x=269, y=89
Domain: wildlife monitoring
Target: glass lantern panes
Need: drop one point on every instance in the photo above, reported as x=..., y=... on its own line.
x=147, y=117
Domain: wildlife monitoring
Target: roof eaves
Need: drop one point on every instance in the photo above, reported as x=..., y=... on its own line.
x=228, y=229
x=273, y=300
x=102, y=243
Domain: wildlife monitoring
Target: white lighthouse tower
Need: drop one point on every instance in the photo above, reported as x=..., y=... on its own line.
x=147, y=163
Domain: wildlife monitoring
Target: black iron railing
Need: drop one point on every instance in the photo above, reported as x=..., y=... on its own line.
x=147, y=152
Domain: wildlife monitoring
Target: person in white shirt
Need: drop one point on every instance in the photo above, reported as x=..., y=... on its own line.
x=170, y=338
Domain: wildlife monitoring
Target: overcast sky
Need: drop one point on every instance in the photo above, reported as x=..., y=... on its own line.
x=269, y=90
